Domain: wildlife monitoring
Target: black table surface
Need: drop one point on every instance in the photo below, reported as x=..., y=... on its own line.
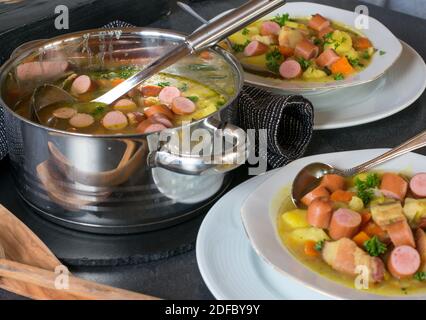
x=178, y=277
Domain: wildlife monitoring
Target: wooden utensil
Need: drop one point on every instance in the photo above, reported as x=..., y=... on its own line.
x=27, y=268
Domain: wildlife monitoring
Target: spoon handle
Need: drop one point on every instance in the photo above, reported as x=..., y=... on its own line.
x=414, y=143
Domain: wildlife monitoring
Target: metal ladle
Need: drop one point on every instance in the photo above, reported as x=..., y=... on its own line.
x=310, y=176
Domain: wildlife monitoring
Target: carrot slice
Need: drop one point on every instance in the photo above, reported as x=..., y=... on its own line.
x=116, y=81
x=206, y=55
x=286, y=51
x=372, y=229
x=341, y=196
x=309, y=249
x=362, y=43
x=360, y=238
x=366, y=217
x=342, y=66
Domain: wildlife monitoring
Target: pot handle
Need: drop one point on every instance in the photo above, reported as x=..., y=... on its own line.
x=228, y=160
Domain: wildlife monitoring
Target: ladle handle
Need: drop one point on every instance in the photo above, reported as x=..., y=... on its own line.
x=414, y=143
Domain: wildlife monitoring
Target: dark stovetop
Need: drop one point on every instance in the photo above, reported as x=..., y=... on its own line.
x=178, y=277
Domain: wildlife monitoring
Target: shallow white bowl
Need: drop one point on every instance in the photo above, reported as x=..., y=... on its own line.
x=381, y=37
x=259, y=215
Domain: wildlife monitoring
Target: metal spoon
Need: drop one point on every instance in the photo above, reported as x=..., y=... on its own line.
x=309, y=177
x=248, y=67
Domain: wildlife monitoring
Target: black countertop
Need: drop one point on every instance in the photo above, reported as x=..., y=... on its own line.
x=178, y=277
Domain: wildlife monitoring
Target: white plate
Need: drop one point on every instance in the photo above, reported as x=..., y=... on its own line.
x=259, y=214
x=402, y=84
x=227, y=262
x=381, y=37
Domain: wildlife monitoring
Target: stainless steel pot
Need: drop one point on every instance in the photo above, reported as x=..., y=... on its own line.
x=121, y=183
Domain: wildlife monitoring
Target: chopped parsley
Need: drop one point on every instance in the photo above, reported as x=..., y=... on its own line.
x=366, y=55
x=305, y=64
x=355, y=62
x=98, y=111
x=245, y=31
x=420, y=276
x=274, y=60
x=339, y=76
x=328, y=38
x=336, y=45
x=319, y=245
x=183, y=87
x=381, y=52
x=163, y=84
x=193, y=98
x=365, y=187
x=240, y=47
x=375, y=247
x=123, y=72
x=281, y=19
x=317, y=42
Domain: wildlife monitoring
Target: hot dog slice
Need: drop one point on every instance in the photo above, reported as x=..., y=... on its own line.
x=403, y=262
x=182, y=106
x=64, y=113
x=255, y=48
x=418, y=185
x=158, y=108
x=150, y=90
x=333, y=182
x=421, y=247
x=344, y=224
x=161, y=118
x=290, y=69
x=306, y=50
x=269, y=28
x=327, y=58
x=167, y=94
x=81, y=85
x=318, y=22
x=400, y=234
x=344, y=256
x=393, y=186
x=115, y=120
x=81, y=120
x=319, y=213
x=148, y=126
x=40, y=69
x=318, y=192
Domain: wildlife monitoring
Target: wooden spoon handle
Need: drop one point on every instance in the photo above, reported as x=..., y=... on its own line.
x=80, y=288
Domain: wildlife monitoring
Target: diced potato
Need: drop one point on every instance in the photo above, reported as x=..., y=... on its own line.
x=387, y=213
x=305, y=234
x=340, y=41
x=295, y=25
x=414, y=209
x=268, y=40
x=239, y=38
x=312, y=73
x=295, y=219
x=377, y=201
x=356, y=204
x=352, y=54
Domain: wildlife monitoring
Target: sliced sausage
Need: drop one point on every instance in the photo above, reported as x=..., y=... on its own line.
x=393, y=186
x=421, y=247
x=40, y=69
x=319, y=213
x=125, y=105
x=135, y=117
x=115, y=120
x=344, y=256
x=81, y=85
x=158, y=108
x=327, y=58
x=344, y=224
x=269, y=28
x=324, y=32
x=81, y=120
x=306, y=50
x=403, y=262
x=150, y=90
x=400, y=233
x=64, y=113
x=290, y=69
x=318, y=192
x=255, y=48
x=318, y=22
x=167, y=94
x=161, y=118
x=183, y=105
x=333, y=182
x=148, y=126
x=418, y=185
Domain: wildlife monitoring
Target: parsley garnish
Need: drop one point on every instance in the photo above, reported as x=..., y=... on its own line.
x=328, y=38
x=274, y=60
x=183, y=87
x=240, y=47
x=381, y=52
x=281, y=19
x=317, y=42
x=305, y=64
x=366, y=55
x=355, y=62
x=420, y=276
x=319, y=245
x=375, y=247
x=336, y=45
x=193, y=98
x=245, y=31
x=364, y=187
x=163, y=84
x=339, y=76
